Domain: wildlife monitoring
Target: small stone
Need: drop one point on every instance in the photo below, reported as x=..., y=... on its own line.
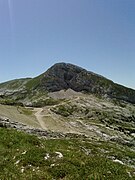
x=17, y=162
x=52, y=165
x=116, y=160
x=59, y=154
x=24, y=152
x=47, y=156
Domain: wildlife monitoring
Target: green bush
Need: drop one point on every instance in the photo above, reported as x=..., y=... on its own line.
x=45, y=102
x=10, y=102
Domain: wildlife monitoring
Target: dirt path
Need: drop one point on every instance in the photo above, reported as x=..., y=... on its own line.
x=39, y=117
x=49, y=120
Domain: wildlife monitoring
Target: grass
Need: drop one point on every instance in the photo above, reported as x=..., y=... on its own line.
x=22, y=156
x=14, y=84
x=34, y=82
x=65, y=110
x=25, y=111
x=45, y=102
x=10, y=102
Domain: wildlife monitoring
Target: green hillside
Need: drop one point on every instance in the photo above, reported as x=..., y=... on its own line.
x=24, y=156
x=14, y=84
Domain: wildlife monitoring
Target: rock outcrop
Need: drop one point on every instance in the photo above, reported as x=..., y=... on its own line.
x=8, y=123
x=64, y=76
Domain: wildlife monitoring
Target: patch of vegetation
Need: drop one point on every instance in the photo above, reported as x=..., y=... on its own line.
x=25, y=156
x=14, y=84
x=21, y=96
x=25, y=111
x=65, y=110
x=33, y=83
x=10, y=102
x=45, y=102
x=119, y=103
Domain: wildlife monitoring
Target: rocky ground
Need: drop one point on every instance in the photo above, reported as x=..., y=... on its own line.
x=80, y=114
x=85, y=129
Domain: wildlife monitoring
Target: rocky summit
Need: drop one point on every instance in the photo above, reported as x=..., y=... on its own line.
x=65, y=76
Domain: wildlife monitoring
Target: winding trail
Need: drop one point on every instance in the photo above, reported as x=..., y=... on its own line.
x=39, y=117
x=50, y=120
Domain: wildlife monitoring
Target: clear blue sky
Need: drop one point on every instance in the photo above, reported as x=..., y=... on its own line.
x=98, y=35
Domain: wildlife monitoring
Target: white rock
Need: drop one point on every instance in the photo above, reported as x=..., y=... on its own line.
x=133, y=134
x=52, y=165
x=116, y=160
x=24, y=152
x=60, y=155
x=17, y=162
x=129, y=174
x=47, y=156
x=14, y=157
x=22, y=169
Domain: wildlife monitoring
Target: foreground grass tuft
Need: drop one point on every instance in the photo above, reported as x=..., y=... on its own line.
x=24, y=156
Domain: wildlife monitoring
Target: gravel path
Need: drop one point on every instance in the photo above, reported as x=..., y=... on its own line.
x=39, y=117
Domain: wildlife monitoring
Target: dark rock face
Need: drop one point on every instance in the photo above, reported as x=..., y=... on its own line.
x=65, y=76
x=60, y=76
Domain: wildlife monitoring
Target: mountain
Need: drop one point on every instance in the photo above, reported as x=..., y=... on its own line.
x=63, y=76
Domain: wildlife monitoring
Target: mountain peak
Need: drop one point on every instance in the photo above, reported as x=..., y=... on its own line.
x=68, y=76
x=66, y=67
x=63, y=76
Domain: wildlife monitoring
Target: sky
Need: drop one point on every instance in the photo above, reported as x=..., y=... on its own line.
x=98, y=35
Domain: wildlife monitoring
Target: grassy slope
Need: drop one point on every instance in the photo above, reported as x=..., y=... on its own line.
x=34, y=82
x=22, y=156
x=14, y=84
